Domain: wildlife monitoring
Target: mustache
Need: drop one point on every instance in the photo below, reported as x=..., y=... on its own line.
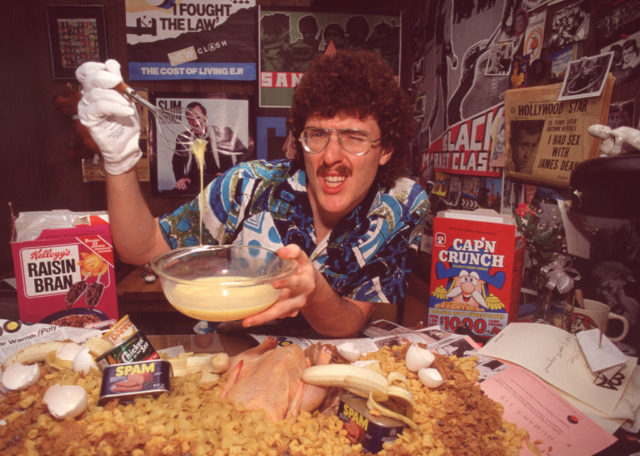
x=323, y=170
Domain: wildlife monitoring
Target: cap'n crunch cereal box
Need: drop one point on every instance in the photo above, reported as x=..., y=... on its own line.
x=476, y=273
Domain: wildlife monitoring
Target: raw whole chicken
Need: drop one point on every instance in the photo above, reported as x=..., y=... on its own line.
x=269, y=377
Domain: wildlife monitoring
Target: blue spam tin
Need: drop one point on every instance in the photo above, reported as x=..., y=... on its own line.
x=125, y=381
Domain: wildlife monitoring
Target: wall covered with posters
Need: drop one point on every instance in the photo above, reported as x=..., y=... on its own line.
x=464, y=56
x=194, y=48
x=288, y=38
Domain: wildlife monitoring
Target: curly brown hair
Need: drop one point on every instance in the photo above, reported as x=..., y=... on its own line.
x=356, y=84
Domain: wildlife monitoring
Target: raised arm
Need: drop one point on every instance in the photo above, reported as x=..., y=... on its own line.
x=113, y=123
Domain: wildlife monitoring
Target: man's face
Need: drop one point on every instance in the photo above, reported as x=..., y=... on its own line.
x=627, y=54
x=197, y=120
x=337, y=38
x=524, y=149
x=337, y=180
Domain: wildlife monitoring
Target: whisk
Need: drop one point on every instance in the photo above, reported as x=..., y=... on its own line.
x=171, y=126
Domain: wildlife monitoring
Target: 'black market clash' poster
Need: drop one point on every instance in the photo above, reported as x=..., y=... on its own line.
x=469, y=54
x=191, y=39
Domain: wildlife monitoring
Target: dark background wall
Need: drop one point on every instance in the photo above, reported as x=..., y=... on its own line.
x=36, y=169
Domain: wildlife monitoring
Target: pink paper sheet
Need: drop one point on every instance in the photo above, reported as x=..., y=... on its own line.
x=555, y=426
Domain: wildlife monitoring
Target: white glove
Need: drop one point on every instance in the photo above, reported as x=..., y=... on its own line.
x=112, y=119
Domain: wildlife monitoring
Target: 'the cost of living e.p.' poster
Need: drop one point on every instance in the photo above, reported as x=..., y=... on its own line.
x=191, y=39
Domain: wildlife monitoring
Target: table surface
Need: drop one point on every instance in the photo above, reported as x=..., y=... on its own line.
x=134, y=285
x=232, y=344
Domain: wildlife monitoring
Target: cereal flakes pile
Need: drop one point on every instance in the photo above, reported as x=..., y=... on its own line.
x=455, y=419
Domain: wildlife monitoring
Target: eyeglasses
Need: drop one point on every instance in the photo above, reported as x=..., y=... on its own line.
x=356, y=142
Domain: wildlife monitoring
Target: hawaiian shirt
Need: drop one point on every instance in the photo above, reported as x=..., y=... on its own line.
x=366, y=257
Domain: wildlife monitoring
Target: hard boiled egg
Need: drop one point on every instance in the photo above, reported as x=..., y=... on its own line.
x=17, y=376
x=430, y=377
x=83, y=361
x=418, y=357
x=348, y=351
x=65, y=401
x=68, y=351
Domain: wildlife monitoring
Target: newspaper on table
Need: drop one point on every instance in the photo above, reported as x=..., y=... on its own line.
x=382, y=333
x=16, y=335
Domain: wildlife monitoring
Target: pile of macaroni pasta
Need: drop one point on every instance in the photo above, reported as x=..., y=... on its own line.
x=454, y=419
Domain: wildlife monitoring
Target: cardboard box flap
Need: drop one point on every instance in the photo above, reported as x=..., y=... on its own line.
x=29, y=226
x=478, y=215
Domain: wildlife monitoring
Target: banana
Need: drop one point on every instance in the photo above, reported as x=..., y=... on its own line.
x=191, y=363
x=220, y=362
x=179, y=366
x=98, y=345
x=33, y=353
x=198, y=362
x=358, y=380
x=376, y=406
x=53, y=361
x=369, y=384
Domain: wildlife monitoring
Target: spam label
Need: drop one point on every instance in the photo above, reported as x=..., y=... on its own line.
x=133, y=379
x=370, y=431
x=135, y=348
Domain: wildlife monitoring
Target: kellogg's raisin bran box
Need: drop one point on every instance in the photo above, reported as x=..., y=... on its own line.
x=476, y=271
x=66, y=276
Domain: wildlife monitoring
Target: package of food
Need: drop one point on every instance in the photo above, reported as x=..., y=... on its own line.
x=64, y=275
x=476, y=271
x=372, y=431
x=123, y=381
x=121, y=331
x=135, y=348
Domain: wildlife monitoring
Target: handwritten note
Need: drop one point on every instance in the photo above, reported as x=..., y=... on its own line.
x=601, y=354
x=555, y=356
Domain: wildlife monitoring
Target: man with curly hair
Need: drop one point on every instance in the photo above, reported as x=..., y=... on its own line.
x=341, y=208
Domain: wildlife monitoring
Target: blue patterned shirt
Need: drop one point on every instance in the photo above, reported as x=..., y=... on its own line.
x=366, y=257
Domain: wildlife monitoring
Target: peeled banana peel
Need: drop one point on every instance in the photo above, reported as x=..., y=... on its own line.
x=369, y=384
x=210, y=366
x=33, y=353
x=98, y=345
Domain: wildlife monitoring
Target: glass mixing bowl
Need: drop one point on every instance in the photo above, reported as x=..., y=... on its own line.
x=221, y=282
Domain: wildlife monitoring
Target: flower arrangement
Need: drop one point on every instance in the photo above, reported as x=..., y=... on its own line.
x=546, y=252
x=543, y=239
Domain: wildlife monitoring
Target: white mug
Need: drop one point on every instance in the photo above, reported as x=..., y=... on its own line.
x=594, y=314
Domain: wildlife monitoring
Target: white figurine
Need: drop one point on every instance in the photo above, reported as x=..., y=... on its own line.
x=621, y=140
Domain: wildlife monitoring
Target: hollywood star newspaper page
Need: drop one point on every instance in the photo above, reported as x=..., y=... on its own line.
x=562, y=138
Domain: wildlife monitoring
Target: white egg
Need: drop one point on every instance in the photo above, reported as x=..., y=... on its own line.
x=430, y=377
x=65, y=401
x=17, y=376
x=418, y=357
x=68, y=351
x=349, y=351
x=83, y=361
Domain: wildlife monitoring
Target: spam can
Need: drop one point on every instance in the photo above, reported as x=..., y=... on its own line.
x=362, y=427
x=127, y=380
